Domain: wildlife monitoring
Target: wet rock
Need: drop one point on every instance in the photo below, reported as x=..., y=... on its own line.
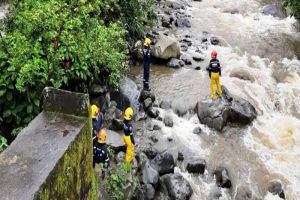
x=141, y=116
x=275, y=188
x=170, y=139
x=163, y=163
x=148, y=192
x=198, y=57
x=156, y=127
x=275, y=10
x=153, y=138
x=96, y=89
x=184, y=47
x=142, y=159
x=145, y=94
x=243, y=193
x=180, y=156
x=128, y=95
x=116, y=124
x=214, y=40
x=153, y=112
x=165, y=105
x=150, y=175
x=232, y=11
x=165, y=48
x=187, y=41
x=166, y=21
x=198, y=68
x=183, y=22
x=204, y=39
x=115, y=140
x=150, y=152
x=175, y=63
x=196, y=166
x=222, y=178
x=216, y=114
x=187, y=59
x=197, y=131
x=147, y=103
x=168, y=121
x=120, y=157
x=177, y=187
x=180, y=109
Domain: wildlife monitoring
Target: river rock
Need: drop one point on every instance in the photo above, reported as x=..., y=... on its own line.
x=275, y=188
x=243, y=193
x=115, y=140
x=166, y=21
x=148, y=192
x=142, y=159
x=150, y=152
x=147, y=103
x=165, y=48
x=168, y=121
x=163, y=163
x=150, y=175
x=137, y=51
x=177, y=187
x=216, y=114
x=180, y=109
x=180, y=156
x=214, y=40
x=120, y=157
x=116, y=124
x=197, y=131
x=222, y=178
x=187, y=59
x=275, y=10
x=196, y=166
x=128, y=95
x=198, y=57
x=165, y=105
x=187, y=41
x=175, y=63
x=145, y=94
x=182, y=22
x=153, y=112
x=97, y=89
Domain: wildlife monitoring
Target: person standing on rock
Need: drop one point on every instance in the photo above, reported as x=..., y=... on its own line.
x=214, y=70
x=100, y=152
x=128, y=136
x=147, y=61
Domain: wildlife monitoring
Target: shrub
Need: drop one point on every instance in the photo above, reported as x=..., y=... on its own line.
x=294, y=5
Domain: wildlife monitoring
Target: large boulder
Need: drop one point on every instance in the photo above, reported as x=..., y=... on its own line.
x=165, y=48
x=115, y=140
x=163, y=163
x=127, y=95
x=216, y=114
x=150, y=175
x=177, y=187
x=186, y=58
x=275, y=10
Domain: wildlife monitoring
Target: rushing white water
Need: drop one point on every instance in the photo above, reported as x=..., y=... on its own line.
x=259, y=61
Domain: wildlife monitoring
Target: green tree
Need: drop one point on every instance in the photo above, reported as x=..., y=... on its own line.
x=60, y=43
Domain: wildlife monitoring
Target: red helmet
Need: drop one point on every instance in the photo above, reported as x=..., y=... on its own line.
x=214, y=54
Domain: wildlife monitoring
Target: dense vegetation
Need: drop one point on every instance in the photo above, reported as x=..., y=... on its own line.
x=294, y=5
x=64, y=44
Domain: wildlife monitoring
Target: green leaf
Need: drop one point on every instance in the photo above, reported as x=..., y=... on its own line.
x=36, y=102
x=9, y=96
x=2, y=92
x=29, y=109
x=6, y=113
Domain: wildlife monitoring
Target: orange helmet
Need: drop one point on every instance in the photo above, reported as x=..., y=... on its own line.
x=214, y=54
x=102, y=136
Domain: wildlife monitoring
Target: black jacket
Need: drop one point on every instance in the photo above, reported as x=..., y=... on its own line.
x=214, y=66
x=101, y=154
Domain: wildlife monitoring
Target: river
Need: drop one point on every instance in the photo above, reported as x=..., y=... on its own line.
x=259, y=56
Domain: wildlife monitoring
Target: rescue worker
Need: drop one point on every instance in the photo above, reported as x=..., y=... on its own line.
x=97, y=118
x=100, y=150
x=128, y=136
x=147, y=61
x=214, y=70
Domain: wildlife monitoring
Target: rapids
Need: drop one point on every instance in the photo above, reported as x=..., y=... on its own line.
x=259, y=56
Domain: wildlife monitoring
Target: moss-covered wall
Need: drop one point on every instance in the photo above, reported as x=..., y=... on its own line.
x=73, y=174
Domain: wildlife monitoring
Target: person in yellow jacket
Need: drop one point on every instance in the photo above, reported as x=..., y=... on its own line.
x=128, y=135
x=214, y=70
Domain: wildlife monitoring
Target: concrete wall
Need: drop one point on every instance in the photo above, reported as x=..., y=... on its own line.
x=52, y=157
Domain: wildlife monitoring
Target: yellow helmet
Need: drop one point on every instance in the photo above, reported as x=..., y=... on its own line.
x=147, y=42
x=102, y=136
x=128, y=114
x=94, y=110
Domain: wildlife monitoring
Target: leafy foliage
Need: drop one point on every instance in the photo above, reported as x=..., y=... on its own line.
x=3, y=143
x=294, y=5
x=63, y=44
x=117, y=179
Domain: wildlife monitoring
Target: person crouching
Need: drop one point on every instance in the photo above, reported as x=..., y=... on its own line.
x=100, y=150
